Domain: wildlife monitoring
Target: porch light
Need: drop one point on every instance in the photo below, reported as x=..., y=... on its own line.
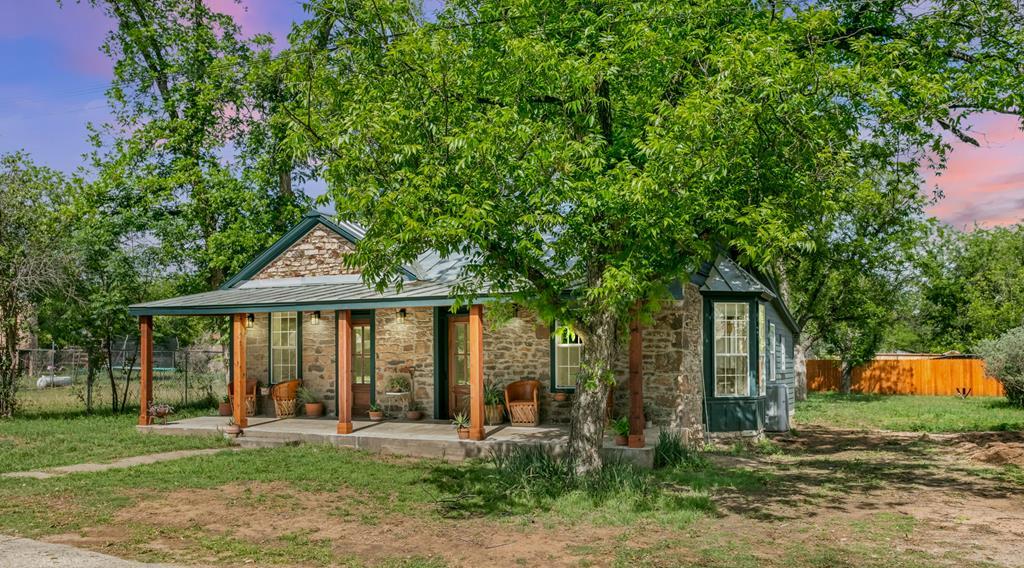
x=315, y=318
x=401, y=314
x=250, y=320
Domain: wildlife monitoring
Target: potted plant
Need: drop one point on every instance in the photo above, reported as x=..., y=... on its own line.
x=414, y=412
x=560, y=396
x=313, y=405
x=376, y=413
x=621, y=429
x=494, y=404
x=231, y=430
x=161, y=411
x=461, y=423
x=224, y=408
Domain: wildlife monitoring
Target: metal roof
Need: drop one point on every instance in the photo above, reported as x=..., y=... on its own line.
x=725, y=275
x=305, y=297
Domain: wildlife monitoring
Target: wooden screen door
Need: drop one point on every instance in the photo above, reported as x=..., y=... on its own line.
x=458, y=364
x=362, y=368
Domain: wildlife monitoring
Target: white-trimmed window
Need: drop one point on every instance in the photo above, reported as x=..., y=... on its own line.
x=732, y=348
x=772, y=353
x=284, y=352
x=568, y=351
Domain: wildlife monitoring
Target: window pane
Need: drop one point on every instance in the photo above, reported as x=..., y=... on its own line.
x=568, y=351
x=284, y=355
x=731, y=349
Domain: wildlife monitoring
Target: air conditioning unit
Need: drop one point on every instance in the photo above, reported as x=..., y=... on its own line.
x=777, y=419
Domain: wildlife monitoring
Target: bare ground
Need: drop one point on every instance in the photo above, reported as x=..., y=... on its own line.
x=836, y=498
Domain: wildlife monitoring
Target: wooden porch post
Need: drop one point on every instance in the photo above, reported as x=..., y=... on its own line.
x=343, y=370
x=476, y=372
x=238, y=368
x=146, y=369
x=636, y=386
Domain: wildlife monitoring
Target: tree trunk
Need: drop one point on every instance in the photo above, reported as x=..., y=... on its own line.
x=800, y=350
x=586, y=430
x=846, y=380
x=114, y=399
x=8, y=363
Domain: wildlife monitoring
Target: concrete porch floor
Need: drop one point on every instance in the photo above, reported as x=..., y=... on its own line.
x=428, y=439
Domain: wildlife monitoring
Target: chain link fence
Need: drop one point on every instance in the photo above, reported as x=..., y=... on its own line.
x=56, y=380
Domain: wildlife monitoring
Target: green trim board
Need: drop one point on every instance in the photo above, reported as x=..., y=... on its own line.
x=439, y=318
x=309, y=221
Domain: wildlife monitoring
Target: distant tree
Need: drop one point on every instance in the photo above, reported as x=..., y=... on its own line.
x=32, y=256
x=192, y=144
x=972, y=286
x=605, y=148
x=1004, y=360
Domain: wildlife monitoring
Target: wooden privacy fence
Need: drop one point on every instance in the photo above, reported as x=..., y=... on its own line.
x=938, y=377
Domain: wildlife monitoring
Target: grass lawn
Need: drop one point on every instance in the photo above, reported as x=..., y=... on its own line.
x=35, y=441
x=909, y=413
x=325, y=506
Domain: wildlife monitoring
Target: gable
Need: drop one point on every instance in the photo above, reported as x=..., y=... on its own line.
x=320, y=252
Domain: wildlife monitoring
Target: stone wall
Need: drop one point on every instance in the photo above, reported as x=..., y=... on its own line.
x=318, y=357
x=257, y=354
x=406, y=346
x=320, y=252
x=520, y=348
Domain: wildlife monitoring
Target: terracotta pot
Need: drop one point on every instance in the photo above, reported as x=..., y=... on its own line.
x=494, y=413
x=463, y=433
x=413, y=415
x=561, y=396
x=376, y=416
x=231, y=431
x=314, y=409
x=621, y=440
x=224, y=409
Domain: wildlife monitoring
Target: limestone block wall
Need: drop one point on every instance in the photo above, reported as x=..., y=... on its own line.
x=406, y=346
x=318, y=357
x=319, y=253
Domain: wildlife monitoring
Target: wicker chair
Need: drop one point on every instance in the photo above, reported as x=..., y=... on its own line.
x=521, y=401
x=250, y=395
x=284, y=395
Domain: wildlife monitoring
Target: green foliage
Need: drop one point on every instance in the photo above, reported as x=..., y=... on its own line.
x=970, y=286
x=621, y=426
x=33, y=256
x=461, y=421
x=1004, y=360
x=307, y=396
x=671, y=451
x=493, y=394
x=533, y=473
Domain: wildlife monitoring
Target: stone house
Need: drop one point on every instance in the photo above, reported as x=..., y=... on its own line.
x=705, y=364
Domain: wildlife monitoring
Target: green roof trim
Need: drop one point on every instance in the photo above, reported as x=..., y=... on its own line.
x=221, y=310
x=309, y=221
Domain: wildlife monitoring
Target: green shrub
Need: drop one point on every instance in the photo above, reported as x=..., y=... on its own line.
x=533, y=473
x=671, y=451
x=1004, y=360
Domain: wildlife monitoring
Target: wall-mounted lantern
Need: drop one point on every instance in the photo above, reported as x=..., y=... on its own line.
x=401, y=314
x=250, y=320
x=315, y=318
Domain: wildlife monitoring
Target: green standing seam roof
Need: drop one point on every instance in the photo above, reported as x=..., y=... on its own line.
x=303, y=297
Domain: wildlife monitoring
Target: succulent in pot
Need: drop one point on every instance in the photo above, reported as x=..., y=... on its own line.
x=313, y=405
x=376, y=413
x=621, y=429
x=494, y=404
x=414, y=412
x=224, y=408
x=461, y=423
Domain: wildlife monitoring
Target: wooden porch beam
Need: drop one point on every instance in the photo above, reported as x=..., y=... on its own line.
x=636, y=386
x=145, y=369
x=476, y=373
x=343, y=369
x=238, y=329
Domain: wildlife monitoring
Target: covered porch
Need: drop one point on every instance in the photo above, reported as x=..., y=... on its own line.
x=427, y=439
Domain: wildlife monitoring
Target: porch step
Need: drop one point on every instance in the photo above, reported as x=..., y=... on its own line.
x=263, y=442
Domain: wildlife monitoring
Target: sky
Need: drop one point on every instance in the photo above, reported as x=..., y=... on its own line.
x=55, y=76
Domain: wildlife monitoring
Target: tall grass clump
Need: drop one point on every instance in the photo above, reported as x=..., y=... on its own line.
x=534, y=473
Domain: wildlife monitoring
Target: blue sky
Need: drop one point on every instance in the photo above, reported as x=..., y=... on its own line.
x=54, y=78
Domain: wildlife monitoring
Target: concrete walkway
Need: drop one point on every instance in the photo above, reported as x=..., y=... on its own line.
x=25, y=553
x=119, y=464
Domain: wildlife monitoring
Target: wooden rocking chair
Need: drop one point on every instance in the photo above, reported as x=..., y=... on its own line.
x=250, y=395
x=521, y=402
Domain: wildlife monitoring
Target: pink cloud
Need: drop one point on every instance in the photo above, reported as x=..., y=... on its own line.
x=75, y=29
x=985, y=184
